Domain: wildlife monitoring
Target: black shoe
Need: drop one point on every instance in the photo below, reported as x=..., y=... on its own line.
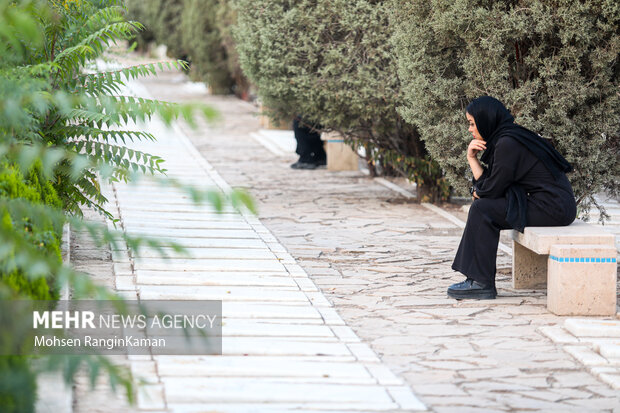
x=466, y=283
x=308, y=165
x=304, y=165
x=472, y=289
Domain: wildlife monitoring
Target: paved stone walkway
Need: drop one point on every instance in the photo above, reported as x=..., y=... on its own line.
x=284, y=345
x=381, y=266
x=384, y=264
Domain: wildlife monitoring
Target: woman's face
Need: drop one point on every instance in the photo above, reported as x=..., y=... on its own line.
x=472, y=127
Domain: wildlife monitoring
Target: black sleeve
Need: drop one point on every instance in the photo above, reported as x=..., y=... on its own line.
x=503, y=171
x=485, y=175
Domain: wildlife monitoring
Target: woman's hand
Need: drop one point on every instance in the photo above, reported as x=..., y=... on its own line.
x=474, y=196
x=475, y=146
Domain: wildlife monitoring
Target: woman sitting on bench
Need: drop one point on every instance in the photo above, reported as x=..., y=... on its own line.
x=523, y=184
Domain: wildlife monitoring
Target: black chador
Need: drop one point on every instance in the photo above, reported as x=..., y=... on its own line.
x=523, y=184
x=309, y=145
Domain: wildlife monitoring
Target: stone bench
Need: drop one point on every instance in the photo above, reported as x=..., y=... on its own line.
x=576, y=263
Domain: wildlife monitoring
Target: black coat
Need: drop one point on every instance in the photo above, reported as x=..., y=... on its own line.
x=513, y=163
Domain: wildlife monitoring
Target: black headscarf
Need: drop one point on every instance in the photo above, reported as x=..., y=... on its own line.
x=494, y=121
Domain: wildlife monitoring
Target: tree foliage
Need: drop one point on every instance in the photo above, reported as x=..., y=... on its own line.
x=168, y=26
x=36, y=190
x=554, y=64
x=332, y=62
x=226, y=18
x=199, y=31
x=162, y=23
x=203, y=40
x=145, y=13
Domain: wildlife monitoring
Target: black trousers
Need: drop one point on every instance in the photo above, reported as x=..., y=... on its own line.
x=309, y=144
x=477, y=253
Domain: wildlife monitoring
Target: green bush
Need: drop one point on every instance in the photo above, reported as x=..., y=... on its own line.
x=16, y=392
x=162, y=22
x=144, y=12
x=226, y=19
x=203, y=41
x=168, y=26
x=199, y=31
x=554, y=64
x=17, y=385
x=332, y=62
x=34, y=189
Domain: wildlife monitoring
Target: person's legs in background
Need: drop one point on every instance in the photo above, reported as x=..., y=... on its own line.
x=309, y=146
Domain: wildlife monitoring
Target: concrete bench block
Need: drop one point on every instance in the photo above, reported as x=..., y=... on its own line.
x=582, y=280
x=340, y=156
x=529, y=270
x=531, y=249
x=540, y=239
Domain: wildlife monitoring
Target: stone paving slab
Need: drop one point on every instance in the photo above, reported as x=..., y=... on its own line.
x=213, y=253
x=220, y=264
x=249, y=310
x=235, y=259
x=186, y=216
x=165, y=200
x=270, y=407
x=167, y=277
x=136, y=225
x=252, y=366
x=181, y=233
x=163, y=209
x=278, y=346
x=593, y=327
x=229, y=293
x=220, y=243
x=263, y=390
x=232, y=328
x=593, y=342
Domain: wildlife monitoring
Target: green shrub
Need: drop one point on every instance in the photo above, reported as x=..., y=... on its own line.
x=168, y=26
x=203, y=41
x=554, y=64
x=17, y=385
x=35, y=190
x=196, y=30
x=162, y=22
x=144, y=12
x=225, y=21
x=332, y=62
x=18, y=382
